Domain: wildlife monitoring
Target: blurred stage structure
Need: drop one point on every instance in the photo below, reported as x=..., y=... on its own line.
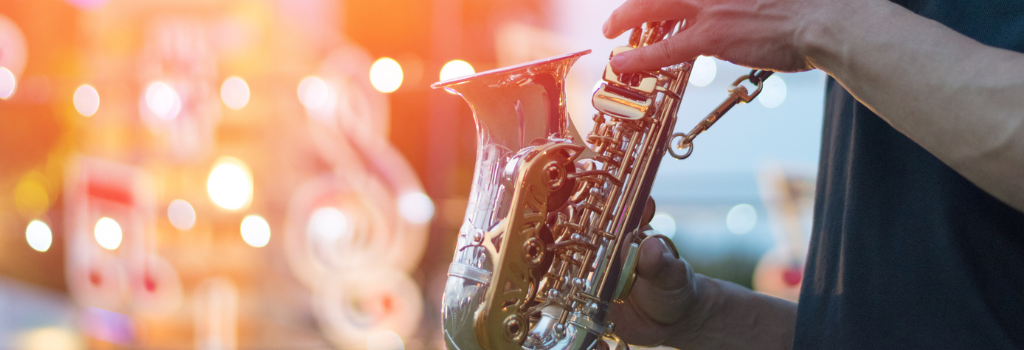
x=235, y=174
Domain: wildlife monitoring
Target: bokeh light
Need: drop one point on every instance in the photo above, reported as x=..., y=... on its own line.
x=773, y=93
x=234, y=92
x=741, y=219
x=664, y=224
x=163, y=100
x=30, y=195
x=255, y=231
x=416, y=207
x=386, y=75
x=87, y=100
x=328, y=223
x=181, y=214
x=38, y=235
x=49, y=338
x=230, y=184
x=704, y=70
x=108, y=233
x=313, y=92
x=384, y=340
x=7, y=83
x=456, y=69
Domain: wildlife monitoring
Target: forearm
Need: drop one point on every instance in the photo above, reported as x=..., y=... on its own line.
x=738, y=318
x=957, y=98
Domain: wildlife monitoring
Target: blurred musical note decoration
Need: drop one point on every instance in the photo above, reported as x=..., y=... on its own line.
x=356, y=232
x=111, y=260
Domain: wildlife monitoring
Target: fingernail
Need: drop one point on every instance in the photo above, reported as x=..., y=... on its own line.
x=618, y=61
x=604, y=28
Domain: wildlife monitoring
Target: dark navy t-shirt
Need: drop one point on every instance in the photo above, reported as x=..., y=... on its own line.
x=906, y=253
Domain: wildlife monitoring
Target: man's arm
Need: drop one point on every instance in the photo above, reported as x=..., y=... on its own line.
x=960, y=100
x=957, y=98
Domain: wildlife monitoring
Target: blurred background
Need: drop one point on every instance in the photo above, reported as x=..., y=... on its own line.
x=250, y=174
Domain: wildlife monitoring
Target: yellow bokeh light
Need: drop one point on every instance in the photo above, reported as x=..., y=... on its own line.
x=30, y=195
x=386, y=75
x=38, y=235
x=456, y=69
x=108, y=233
x=87, y=100
x=230, y=184
x=255, y=231
x=234, y=92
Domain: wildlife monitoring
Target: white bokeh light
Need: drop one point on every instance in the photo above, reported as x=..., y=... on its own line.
x=416, y=207
x=456, y=69
x=230, y=184
x=108, y=233
x=181, y=214
x=163, y=100
x=704, y=70
x=773, y=93
x=8, y=83
x=384, y=340
x=313, y=92
x=664, y=224
x=741, y=219
x=234, y=92
x=87, y=100
x=255, y=231
x=38, y=235
x=328, y=223
x=386, y=75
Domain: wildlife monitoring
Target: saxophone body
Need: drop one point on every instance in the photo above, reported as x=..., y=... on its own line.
x=544, y=246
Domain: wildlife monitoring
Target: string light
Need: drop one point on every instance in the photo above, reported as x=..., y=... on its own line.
x=87, y=100
x=741, y=219
x=704, y=70
x=255, y=231
x=456, y=69
x=8, y=83
x=163, y=100
x=230, y=184
x=234, y=92
x=181, y=214
x=386, y=75
x=664, y=224
x=416, y=207
x=108, y=233
x=773, y=93
x=313, y=92
x=328, y=223
x=38, y=235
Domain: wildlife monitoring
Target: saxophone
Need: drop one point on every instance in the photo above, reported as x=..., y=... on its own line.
x=553, y=224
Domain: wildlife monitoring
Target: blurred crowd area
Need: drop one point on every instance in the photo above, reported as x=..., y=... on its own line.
x=265, y=174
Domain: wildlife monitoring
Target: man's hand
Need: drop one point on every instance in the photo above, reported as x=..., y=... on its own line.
x=663, y=303
x=753, y=33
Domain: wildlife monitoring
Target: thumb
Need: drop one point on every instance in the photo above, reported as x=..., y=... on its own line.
x=659, y=266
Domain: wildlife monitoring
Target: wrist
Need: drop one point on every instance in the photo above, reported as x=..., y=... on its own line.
x=823, y=32
x=706, y=295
